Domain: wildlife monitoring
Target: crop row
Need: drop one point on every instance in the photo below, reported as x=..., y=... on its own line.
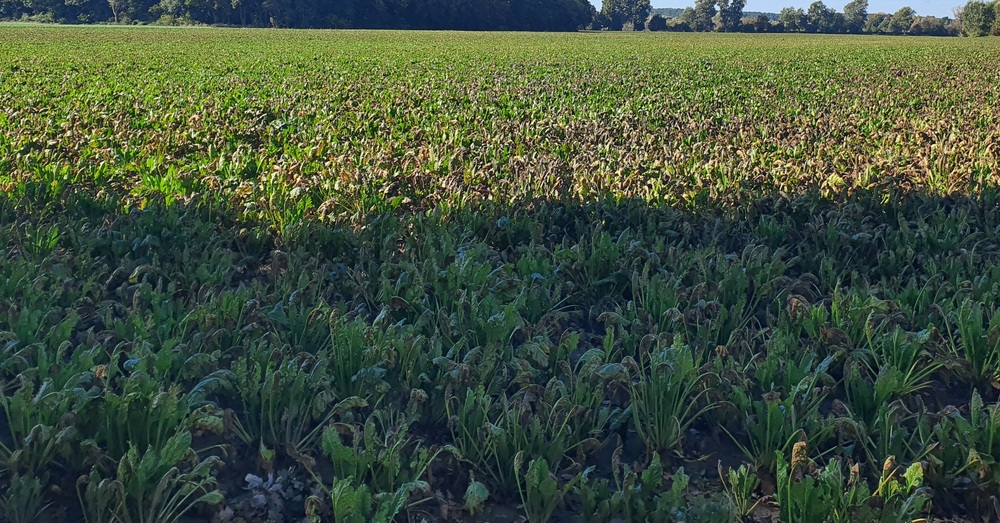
x=385, y=276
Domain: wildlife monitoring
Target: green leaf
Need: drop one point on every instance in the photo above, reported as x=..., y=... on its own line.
x=354, y=402
x=212, y=498
x=914, y=476
x=475, y=495
x=176, y=448
x=652, y=477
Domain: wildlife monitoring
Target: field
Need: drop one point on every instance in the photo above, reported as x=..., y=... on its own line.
x=251, y=275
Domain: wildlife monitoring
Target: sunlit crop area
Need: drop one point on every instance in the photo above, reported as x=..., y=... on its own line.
x=252, y=275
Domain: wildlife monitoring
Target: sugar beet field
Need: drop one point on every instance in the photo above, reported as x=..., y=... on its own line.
x=285, y=276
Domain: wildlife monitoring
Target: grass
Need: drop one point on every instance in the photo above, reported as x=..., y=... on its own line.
x=400, y=276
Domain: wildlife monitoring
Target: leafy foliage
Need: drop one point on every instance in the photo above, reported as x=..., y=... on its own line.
x=530, y=15
x=426, y=276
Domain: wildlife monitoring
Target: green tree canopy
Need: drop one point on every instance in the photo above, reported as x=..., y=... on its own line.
x=996, y=18
x=547, y=15
x=792, y=19
x=730, y=13
x=656, y=23
x=820, y=18
x=704, y=12
x=902, y=20
x=978, y=18
x=855, y=15
x=620, y=12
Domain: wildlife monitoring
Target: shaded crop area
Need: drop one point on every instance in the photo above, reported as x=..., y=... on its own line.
x=253, y=275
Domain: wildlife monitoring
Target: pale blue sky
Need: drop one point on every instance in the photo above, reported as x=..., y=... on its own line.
x=923, y=7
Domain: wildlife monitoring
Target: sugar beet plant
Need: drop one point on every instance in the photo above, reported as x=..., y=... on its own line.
x=253, y=275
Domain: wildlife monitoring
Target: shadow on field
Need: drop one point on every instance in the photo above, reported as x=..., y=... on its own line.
x=807, y=285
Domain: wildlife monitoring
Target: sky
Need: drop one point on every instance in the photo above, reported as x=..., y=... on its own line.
x=922, y=7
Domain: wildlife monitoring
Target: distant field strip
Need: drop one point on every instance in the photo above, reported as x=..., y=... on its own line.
x=332, y=117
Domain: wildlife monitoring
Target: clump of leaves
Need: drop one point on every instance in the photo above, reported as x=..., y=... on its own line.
x=537, y=421
x=286, y=400
x=964, y=452
x=809, y=493
x=376, y=475
x=668, y=395
x=540, y=491
x=978, y=341
x=776, y=422
x=740, y=485
x=156, y=486
x=24, y=501
x=643, y=496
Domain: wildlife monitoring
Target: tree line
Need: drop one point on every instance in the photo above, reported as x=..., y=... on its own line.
x=977, y=18
x=522, y=15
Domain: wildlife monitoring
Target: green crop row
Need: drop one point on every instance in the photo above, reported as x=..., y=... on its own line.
x=380, y=276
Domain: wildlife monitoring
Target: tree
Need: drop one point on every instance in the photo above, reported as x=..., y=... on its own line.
x=761, y=24
x=656, y=23
x=704, y=12
x=876, y=21
x=621, y=12
x=117, y=8
x=902, y=20
x=682, y=24
x=793, y=20
x=569, y=15
x=855, y=15
x=977, y=18
x=687, y=16
x=820, y=18
x=532, y=15
x=996, y=18
x=929, y=26
x=730, y=13
x=48, y=10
